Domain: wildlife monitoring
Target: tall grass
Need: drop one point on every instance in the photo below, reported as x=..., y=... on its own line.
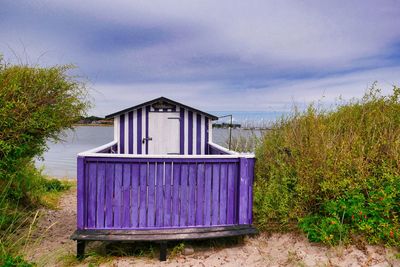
x=337, y=171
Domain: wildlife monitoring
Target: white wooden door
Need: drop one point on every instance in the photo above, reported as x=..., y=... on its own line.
x=164, y=133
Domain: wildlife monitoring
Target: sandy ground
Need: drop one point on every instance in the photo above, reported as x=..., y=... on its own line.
x=51, y=247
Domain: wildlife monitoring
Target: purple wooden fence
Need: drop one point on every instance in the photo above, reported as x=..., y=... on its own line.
x=158, y=193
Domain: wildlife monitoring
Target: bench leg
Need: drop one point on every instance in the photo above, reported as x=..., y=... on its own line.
x=163, y=251
x=80, y=249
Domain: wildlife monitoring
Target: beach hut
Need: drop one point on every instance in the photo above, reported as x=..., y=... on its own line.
x=162, y=178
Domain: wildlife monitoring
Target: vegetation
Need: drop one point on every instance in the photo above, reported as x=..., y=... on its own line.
x=36, y=104
x=334, y=172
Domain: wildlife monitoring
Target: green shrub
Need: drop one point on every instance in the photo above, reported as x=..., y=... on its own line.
x=36, y=105
x=324, y=166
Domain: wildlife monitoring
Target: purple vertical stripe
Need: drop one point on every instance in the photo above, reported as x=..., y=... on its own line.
x=243, y=191
x=139, y=131
x=198, y=134
x=182, y=131
x=109, y=194
x=130, y=132
x=206, y=136
x=101, y=191
x=91, y=206
x=147, y=129
x=190, y=133
x=81, y=192
x=122, y=133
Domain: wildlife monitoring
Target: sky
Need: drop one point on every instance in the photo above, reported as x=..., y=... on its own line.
x=212, y=55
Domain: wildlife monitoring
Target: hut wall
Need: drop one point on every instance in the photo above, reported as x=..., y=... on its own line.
x=131, y=127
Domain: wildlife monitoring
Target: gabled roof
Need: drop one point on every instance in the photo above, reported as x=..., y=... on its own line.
x=164, y=99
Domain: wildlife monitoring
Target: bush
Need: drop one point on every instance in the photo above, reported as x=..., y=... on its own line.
x=323, y=167
x=36, y=104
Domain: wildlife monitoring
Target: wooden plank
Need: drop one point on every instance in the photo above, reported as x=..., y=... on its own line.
x=176, y=194
x=126, y=196
x=231, y=194
x=159, y=194
x=143, y=196
x=151, y=211
x=118, y=196
x=207, y=194
x=160, y=235
x=223, y=193
x=167, y=196
x=101, y=192
x=110, y=169
x=200, y=194
x=135, y=171
x=192, y=195
x=250, y=174
x=80, y=192
x=91, y=205
x=184, y=195
x=243, y=192
x=215, y=194
x=169, y=231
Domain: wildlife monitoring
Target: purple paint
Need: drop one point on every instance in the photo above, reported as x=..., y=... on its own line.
x=151, y=195
x=109, y=221
x=243, y=192
x=184, y=195
x=80, y=193
x=147, y=129
x=129, y=193
x=167, y=196
x=182, y=131
x=159, y=195
x=207, y=195
x=130, y=131
x=135, y=195
x=126, y=196
x=92, y=190
x=101, y=192
x=139, y=131
x=190, y=132
x=200, y=194
x=117, y=201
x=206, y=137
x=143, y=196
x=176, y=194
x=198, y=134
x=122, y=134
x=223, y=193
x=215, y=194
x=192, y=195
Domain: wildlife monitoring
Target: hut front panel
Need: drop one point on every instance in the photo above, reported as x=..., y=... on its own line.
x=132, y=128
x=163, y=193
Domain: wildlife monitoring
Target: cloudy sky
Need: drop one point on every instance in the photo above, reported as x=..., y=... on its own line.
x=213, y=55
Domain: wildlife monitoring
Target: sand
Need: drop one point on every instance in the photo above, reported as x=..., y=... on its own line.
x=51, y=246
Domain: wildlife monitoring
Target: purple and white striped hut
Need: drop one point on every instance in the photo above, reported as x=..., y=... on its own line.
x=162, y=178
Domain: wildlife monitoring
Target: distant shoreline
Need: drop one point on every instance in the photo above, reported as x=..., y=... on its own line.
x=94, y=124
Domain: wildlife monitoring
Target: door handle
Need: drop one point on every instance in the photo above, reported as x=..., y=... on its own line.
x=146, y=139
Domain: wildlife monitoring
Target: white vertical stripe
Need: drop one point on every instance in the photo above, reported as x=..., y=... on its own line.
x=143, y=129
x=126, y=136
x=202, y=136
x=116, y=131
x=134, y=136
x=194, y=133
x=209, y=130
x=186, y=133
x=177, y=109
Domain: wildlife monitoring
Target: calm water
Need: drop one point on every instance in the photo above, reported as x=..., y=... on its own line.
x=60, y=159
